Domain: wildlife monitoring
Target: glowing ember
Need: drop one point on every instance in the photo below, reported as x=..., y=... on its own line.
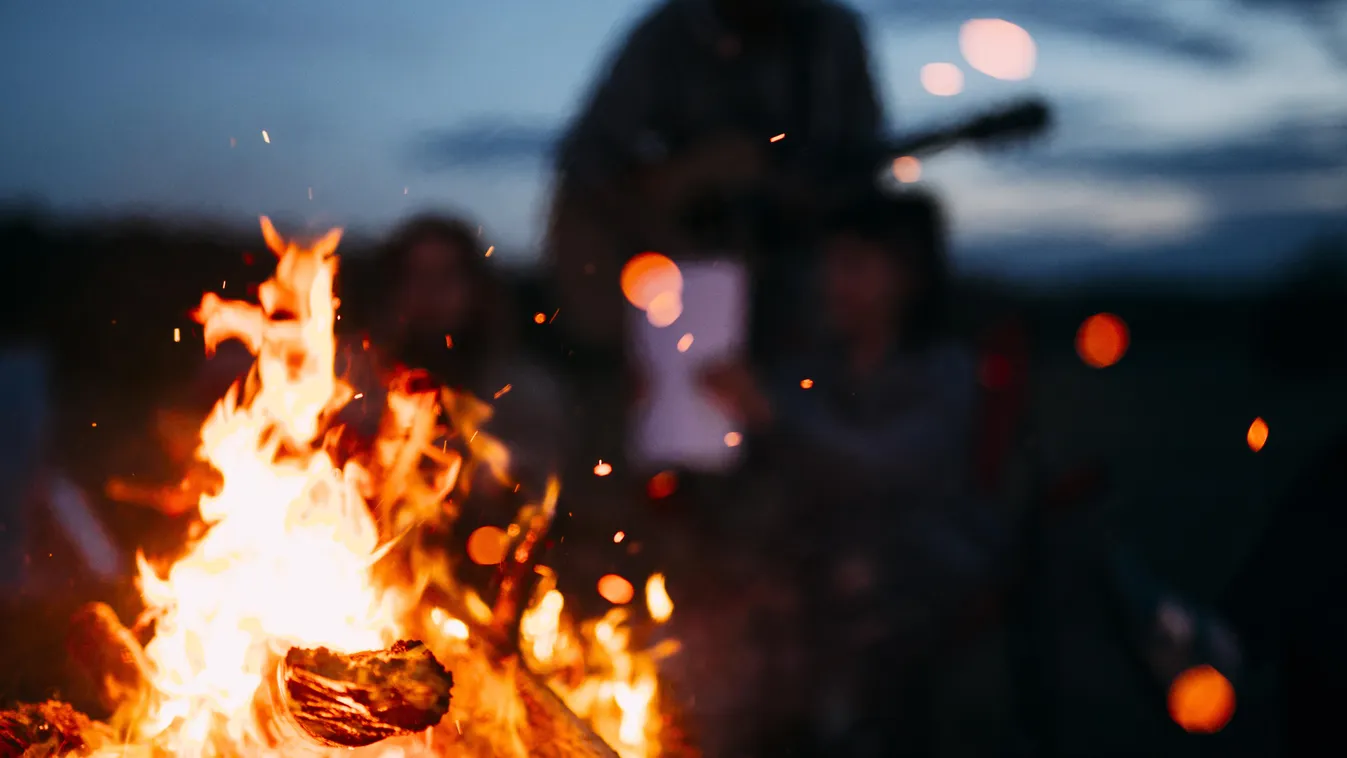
x=1102, y=340
x=657, y=599
x=488, y=545
x=1257, y=435
x=662, y=485
x=303, y=548
x=615, y=589
x=1201, y=700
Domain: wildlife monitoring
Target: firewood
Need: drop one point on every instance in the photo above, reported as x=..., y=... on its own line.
x=108, y=655
x=339, y=700
x=555, y=730
x=49, y=729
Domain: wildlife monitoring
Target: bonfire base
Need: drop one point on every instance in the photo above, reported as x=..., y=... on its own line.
x=50, y=728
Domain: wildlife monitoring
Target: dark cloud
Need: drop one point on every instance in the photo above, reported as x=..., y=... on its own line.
x=482, y=144
x=1246, y=251
x=1290, y=147
x=1132, y=24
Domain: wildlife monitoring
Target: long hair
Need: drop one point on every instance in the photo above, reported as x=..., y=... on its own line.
x=911, y=228
x=487, y=333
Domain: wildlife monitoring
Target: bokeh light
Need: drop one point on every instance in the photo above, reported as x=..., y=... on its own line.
x=906, y=169
x=1257, y=435
x=649, y=275
x=615, y=589
x=1102, y=340
x=1201, y=700
x=665, y=309
x=657, y=599
x=942, y=79
x=487, y=545
x=603, y=468
x=998, y=48
x=806, y=383
x=684, y=342
x=538, y=318
x=662, y=485
x=733, y=439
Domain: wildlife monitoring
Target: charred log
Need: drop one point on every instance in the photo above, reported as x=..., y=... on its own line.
x=353, y=700
x=51, y=728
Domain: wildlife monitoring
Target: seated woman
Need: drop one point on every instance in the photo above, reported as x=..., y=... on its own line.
x=867, y=436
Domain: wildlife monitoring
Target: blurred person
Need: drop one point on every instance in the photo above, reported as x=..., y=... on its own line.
x=56, y=551
x=867, y=434
x=439, y=307
x=43, y=514
x=674, y=150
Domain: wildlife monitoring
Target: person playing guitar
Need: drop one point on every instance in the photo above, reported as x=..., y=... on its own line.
x=693, y=101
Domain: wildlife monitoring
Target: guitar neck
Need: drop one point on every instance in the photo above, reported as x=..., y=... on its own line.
x=925, y=143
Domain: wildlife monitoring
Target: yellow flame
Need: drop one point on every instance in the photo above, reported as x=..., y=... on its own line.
x=285, y=559
x=657, y=599
x=301, y=551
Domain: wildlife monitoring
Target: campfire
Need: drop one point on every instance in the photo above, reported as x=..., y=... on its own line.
x=315, y=611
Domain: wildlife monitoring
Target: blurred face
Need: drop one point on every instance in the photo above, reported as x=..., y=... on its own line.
x=863, y=286
x=434, y=295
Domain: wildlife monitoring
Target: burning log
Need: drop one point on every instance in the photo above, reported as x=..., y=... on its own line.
x=338, y=700
x=555, y=729
x=51, y=728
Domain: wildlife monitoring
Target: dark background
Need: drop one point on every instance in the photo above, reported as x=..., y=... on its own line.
x=1168, y=423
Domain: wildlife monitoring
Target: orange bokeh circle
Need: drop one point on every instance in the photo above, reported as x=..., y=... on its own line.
x=615, y=589
x=487, y=545
x=647, y=276
x=1201, y=700
x=1102, y=340
x=1257, y=435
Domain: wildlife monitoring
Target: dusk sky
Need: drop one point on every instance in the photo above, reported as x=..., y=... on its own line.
x=1195, y=137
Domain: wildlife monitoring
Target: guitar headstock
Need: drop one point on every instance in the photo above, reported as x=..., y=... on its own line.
x=1019, y=120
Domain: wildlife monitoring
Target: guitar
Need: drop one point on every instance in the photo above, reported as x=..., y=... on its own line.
x=592, y=234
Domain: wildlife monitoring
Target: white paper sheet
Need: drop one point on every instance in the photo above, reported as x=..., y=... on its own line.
x=677, y=425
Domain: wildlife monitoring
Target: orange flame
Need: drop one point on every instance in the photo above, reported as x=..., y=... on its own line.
x=292, y=555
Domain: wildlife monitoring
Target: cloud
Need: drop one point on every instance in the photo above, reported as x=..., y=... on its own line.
x=988, y=202
x=482, y=143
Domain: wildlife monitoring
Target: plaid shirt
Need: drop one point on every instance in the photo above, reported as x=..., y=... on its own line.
x=682, y=77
